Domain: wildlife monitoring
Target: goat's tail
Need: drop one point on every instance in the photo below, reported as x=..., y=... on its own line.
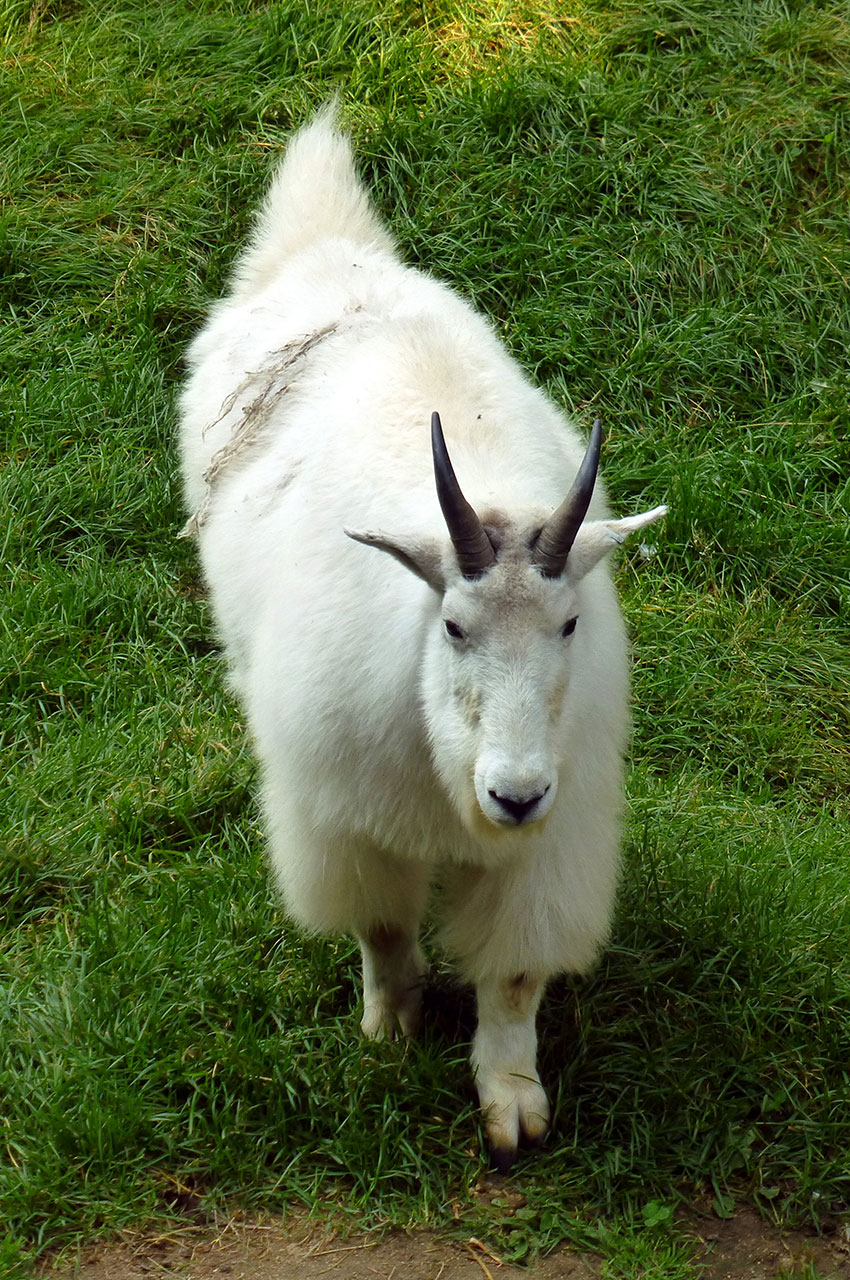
x=315, y=194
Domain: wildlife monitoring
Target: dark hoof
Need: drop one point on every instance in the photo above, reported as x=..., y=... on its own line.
x=502, y=1159
x=535, y=1144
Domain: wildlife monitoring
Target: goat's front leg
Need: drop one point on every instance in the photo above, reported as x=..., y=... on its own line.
x=393, y=981
x=504, y=1059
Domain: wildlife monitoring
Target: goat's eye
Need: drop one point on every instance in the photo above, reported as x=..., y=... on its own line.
x=452, y=629
x=569, y=627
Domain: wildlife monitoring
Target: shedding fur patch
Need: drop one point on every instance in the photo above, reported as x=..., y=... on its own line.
x=269, y=384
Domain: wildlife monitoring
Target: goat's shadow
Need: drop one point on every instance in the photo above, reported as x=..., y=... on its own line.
x=448, y=1008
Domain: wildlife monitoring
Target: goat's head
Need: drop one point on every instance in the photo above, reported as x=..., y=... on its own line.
x=499, y=660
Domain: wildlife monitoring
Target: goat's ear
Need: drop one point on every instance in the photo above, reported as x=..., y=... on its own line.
x=422, y=556
x=596, y=538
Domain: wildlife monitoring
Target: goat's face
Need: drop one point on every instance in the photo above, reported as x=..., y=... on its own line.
x=494, y=687
x=499, y=660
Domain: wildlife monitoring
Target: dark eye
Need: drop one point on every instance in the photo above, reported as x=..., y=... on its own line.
x=456, y=632
x=569, y=627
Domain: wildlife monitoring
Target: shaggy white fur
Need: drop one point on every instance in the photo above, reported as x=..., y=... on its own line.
x=404, y=714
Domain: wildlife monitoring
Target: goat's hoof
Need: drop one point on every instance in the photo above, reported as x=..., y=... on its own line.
x=378, y=1022
x=516, y=1111
x=385, y=1019
x=502, y=1159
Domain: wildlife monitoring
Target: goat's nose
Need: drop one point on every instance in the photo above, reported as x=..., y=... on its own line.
x=518, y=810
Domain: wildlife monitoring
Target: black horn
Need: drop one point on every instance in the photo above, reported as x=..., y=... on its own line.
x=474, y=550
x=558, y=533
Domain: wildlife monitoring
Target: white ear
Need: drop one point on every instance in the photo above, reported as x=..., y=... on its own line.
x=597, y=537
x=421, y=556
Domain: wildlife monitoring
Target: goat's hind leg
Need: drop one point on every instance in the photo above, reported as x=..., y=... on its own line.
x=384, y=900
x=380, y=898
x=393, y=981
x=391, y=900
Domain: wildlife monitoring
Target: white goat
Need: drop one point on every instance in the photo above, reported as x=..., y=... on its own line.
x=460, y=703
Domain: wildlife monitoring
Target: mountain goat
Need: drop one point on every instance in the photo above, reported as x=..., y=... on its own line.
x=456, y=705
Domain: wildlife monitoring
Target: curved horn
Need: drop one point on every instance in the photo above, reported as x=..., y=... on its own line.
x=474, y=550
x=558, y=533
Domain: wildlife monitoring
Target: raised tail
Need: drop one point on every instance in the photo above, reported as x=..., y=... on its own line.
x=315, y=194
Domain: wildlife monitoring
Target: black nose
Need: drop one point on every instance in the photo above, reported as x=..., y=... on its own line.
x=517, y=810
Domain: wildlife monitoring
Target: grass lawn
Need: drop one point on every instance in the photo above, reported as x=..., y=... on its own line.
x=651, y=200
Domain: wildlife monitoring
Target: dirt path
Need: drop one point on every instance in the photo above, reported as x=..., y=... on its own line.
x=744, y=1248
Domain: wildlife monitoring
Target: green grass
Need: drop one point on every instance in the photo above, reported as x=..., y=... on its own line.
x=651, y=200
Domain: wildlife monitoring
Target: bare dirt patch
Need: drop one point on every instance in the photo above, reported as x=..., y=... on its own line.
x=269, y=1252
x=747, y=1248
x=742, y=1248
